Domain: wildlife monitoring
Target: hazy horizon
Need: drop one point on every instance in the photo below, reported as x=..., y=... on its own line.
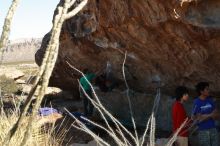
x=33, y=19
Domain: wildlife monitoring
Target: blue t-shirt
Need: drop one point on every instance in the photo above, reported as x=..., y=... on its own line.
x=206, y=106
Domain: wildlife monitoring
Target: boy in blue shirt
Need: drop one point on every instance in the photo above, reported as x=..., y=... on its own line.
x=205, y=112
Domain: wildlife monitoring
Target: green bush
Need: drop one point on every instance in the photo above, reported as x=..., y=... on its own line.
x=7, y=85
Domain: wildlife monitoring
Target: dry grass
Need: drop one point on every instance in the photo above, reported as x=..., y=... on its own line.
x=41, y=135
x=7, y=85
x=46, y=68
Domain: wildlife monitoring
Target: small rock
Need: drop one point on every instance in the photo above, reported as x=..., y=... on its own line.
x=20, y=81
x=50, y=90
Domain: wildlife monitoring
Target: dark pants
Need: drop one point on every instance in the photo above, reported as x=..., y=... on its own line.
x=88, y=106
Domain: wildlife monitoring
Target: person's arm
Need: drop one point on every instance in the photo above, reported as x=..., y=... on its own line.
x=93, y=77
x=203, y=117
x=180, y=119
x=196, y=112
x=100, y=71
x=181, y=116
x=215, y=114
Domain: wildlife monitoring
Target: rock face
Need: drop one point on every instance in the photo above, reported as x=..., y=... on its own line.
x=179, y=44
x=141, y=105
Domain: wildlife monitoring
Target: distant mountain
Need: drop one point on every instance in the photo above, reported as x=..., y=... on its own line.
x=21, y=50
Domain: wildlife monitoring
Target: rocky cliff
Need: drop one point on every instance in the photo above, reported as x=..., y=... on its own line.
x=178, y=43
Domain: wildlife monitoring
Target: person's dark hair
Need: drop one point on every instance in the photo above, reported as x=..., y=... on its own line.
x=86, y=70
x=180, y=91
x=201, y=86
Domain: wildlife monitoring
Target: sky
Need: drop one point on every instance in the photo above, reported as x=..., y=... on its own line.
x=33, y=18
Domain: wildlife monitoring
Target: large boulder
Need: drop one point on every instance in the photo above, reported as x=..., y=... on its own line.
x=117, y=103
x=180, y=44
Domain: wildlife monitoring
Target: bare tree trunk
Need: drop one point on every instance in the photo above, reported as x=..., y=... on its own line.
x=6, y=27
x=46, y=68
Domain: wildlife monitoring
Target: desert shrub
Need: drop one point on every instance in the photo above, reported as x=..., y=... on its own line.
x=39, y=134
x=7, y=85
